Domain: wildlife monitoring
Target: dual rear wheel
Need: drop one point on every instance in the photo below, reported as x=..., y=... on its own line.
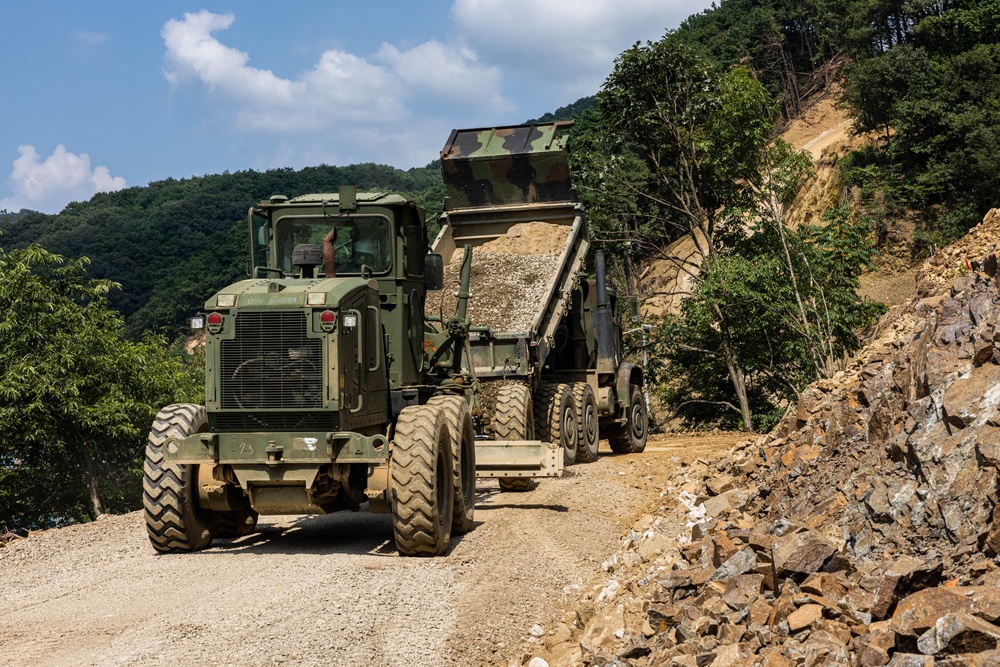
x=568, y=415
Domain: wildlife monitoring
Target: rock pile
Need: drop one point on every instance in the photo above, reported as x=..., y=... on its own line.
x=862, y=531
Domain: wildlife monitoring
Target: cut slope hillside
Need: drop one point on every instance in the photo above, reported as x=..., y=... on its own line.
x=823, y=129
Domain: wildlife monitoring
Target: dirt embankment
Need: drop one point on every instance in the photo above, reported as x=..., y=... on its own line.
x=824, y=129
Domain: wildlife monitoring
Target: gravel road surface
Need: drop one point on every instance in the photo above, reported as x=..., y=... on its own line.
x=327, y=590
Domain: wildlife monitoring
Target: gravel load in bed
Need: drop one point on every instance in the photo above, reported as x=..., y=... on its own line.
x=509, y=280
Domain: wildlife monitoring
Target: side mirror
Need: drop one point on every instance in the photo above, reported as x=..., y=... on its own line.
x=433, y=272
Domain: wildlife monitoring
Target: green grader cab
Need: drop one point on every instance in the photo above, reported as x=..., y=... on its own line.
x=328, y=386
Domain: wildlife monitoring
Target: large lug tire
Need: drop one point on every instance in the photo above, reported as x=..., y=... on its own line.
x=463, y=452
x=238, y=523
x=587, y=422
x=517, y=484
x=514, y=419
x=631, y=438
x=555, y=420
x=174, y=521
x=422, y=492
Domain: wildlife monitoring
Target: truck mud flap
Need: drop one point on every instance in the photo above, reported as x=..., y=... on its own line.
x=518, y=458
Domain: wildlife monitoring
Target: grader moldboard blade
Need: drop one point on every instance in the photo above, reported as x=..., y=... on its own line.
x=518, y=458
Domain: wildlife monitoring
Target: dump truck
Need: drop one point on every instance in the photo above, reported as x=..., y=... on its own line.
x=326, y=388
x=551, y=363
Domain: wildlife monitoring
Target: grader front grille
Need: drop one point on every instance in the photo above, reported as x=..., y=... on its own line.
x=271, y=363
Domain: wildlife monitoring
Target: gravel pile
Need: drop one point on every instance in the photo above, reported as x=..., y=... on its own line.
x=509, y=280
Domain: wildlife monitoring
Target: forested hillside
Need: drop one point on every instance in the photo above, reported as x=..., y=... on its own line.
x=173, y=243
x=680, y=146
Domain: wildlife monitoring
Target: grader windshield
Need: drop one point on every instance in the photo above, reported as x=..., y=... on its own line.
x=359, y=241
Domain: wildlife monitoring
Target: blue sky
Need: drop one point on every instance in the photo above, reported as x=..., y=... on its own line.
x=110, y=94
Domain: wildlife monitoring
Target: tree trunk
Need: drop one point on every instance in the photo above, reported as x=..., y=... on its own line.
x=735, y=372
x=90, y=472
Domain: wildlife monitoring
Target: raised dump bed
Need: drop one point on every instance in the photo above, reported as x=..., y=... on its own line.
x=509, y=198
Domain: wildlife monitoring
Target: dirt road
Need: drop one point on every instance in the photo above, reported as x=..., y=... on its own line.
x=328, y=590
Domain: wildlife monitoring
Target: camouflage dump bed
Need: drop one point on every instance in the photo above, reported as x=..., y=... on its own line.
x=525, y=164
x=506, y=186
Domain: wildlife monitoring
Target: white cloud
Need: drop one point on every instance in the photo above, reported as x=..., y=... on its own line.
x=453, y=74
x=48, y=185
x=396, y=105
x=192, y=52
x=340, y=88
x=92, y=38
x=568, y=46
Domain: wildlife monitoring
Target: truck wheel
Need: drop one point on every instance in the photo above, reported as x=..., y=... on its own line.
x=555, y=420
x=587, y=420
x=514, y=419
x=631, y=438
x=237, y=523
x=463, y=452
x=174, y=521
x=422, y=478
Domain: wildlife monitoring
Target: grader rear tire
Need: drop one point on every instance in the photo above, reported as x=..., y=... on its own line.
x=422, y=482
x=587, y=422
x=463, y=451
x=174, y=521
x=514, y=419
x=555, y=420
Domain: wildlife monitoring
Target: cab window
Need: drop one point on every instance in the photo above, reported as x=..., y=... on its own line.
x=359, y=241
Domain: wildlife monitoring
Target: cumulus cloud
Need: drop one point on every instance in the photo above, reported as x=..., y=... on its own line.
x=384, y=106
x=341, y=87
x=452, y=73
x=48, y=185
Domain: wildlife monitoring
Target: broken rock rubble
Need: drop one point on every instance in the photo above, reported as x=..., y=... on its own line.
x=862, y=531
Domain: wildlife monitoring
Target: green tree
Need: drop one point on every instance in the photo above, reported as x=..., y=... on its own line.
x=793, y=311
x=703, y=137
x=771, y=311
x=76, y=399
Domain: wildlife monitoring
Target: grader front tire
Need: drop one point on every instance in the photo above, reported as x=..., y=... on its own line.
x=514, y=417
x=174, y=521
x=237, y=523
x=422, y=478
